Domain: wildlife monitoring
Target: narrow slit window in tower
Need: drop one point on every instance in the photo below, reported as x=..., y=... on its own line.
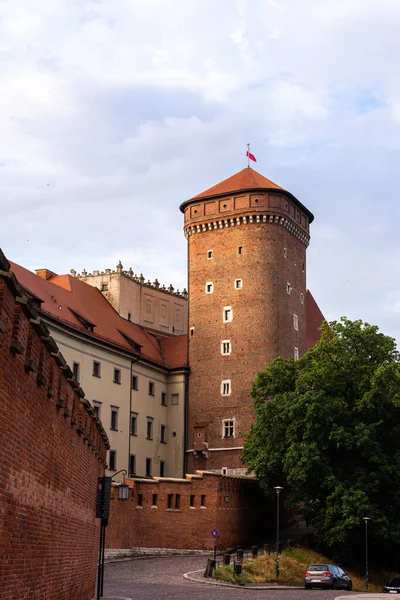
x=238, y=284
x=209, y=287
x=296, y=322
x=227, y=314
x=226, y=387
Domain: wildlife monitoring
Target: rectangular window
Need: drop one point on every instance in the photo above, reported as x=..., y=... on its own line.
x=117, y=376
x=96, y=368
x=135, y=382
x=177, y=501
x=192, y=497
x=296, y=353
x=192, y=331
x=240, y=250
x=129, y=316
x=114, y=418
x=149, y=430
x=174, y=399
x=288, y=288
x=151, y=388
x=113, y=460
x=132, y=464
x=154, y=500
x=224, y=470
x=104, y=287
x=169, y=500
x=148, y=467
x=285, y=253
x=76, y=369
x=302, y=298
x=162, y=468
x=209, y=287
x=209, y=254
x=296, y=322
x=203, y=501
x=134, y=421
x=163, y=399
x=226, y=347
x=96, y=408
x=226, y=387
x=227, y=314
x=163, y=434
x=228, y=428
x=238, y=284
x=140, y=500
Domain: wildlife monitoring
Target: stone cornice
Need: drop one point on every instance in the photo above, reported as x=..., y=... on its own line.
x=246, y=220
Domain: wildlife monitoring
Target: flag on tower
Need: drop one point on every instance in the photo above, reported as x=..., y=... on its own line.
x=250, y=155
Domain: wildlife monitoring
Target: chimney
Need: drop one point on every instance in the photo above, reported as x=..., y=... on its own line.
x=45, y=273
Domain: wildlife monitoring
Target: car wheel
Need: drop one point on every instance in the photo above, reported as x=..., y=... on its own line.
x=349, y=587
x=307, y=586
x=334, y=584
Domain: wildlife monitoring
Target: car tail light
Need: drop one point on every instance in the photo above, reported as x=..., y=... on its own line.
x=307, y=573
x=326, y=574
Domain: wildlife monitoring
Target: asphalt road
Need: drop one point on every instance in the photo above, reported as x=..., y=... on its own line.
x=162, y=579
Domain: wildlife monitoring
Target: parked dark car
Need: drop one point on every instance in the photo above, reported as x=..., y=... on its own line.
x=327, y=576
x=392, y=586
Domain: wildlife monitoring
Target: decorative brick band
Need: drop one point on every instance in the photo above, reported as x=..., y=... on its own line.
x=249, y=219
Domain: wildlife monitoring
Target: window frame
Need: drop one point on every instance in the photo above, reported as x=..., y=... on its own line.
x=114, y=417
x=226, y=383
x=296, y=353
x=209, y=254
x=209, y=284
x=132, y=459
x=172, y=403
x=236, y=286
x=152, y=388
x=227, y=318
x=295, y=322
x=228, y=342
x=117, y=376
x=135, y=382
x=163, y=434
x=149, y=428
x=163, y=398
x=97, y=408
x=149, y=463
x=133, y=419
x=228, y=424
x=112, y=458
x=96, y=372
x=78, y=374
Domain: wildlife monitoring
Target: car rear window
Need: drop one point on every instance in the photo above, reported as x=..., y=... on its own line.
x=318, y=568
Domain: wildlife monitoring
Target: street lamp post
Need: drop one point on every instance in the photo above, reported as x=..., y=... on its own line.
x=278, y=490
x=102, y=512
x=366, y=519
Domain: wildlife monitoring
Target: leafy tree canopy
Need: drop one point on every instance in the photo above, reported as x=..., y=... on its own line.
x=328, y=430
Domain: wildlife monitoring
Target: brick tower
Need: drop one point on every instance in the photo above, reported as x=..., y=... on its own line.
x=247, y=241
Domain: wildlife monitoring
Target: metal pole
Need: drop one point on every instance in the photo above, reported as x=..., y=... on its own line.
x=215, y=549
x=366, y=554
x=102, y=560
x=278, y=490
x=99, y=565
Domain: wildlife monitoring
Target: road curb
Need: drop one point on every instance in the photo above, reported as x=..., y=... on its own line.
x=189, y=576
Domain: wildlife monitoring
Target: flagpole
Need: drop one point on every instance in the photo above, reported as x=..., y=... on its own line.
x=248, y=155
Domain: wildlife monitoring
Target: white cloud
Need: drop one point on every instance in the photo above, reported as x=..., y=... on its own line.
x=113, y=112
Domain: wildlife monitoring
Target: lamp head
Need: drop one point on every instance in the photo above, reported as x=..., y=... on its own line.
x=278, y=489
x=366, y=519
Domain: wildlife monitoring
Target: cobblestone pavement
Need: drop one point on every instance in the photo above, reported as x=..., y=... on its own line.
x=162, y=579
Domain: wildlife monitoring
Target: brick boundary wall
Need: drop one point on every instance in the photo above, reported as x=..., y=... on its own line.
x=52, y=451
x=234, y=505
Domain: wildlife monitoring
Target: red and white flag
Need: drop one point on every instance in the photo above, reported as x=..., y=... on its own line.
x=249, y=155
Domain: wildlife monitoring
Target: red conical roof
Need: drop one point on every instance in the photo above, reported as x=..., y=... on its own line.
x=247, y=179
x=244, y=180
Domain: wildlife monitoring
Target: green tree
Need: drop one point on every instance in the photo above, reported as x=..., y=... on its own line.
x=328, y=430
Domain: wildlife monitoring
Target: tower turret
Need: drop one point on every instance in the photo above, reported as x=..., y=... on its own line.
x=247, y=241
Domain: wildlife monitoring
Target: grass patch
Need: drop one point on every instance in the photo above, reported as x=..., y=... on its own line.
x=293, y=564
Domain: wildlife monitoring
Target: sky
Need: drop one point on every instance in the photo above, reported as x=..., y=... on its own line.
x=113, y=112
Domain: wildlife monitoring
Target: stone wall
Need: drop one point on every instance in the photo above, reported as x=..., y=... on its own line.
x=52, y=451
x=167, y=514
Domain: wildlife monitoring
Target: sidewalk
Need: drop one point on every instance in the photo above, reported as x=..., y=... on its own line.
x=198, y=577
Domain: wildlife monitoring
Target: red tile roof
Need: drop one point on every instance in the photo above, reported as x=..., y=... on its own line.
x=315, y=319
x=244, y=180
x=247, y=179
x=66, y=298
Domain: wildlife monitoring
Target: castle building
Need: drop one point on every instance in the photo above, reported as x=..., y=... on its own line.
x=247, y=240
x=134, y=377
